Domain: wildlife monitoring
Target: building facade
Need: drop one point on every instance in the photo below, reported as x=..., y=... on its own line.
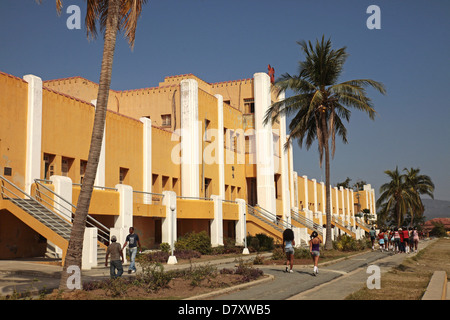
x=185, y=156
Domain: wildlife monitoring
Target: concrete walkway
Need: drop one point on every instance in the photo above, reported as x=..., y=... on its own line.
x=335, y=280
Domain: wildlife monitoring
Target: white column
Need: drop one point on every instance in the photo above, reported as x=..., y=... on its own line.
x=374, y=203
x=292, y=188
x=324, y=202
x=169, y=223
x=63, y=188
x=286, y=199
x=264, y=144
x=306, y=206
x=347, y=216
x=352, y=203
x=295, y=179
x=124, y=221
x=341, y=189
x=315, y=195
x=190, y=139
x=331, y=201
x=89, y=253
x=336, y=192
x=220, y=146
x=34, y=131
x=100, y=177
x=217, y=223
x=147, y=158
x=240, y=225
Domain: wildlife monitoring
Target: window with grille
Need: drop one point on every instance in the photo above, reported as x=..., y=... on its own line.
x=166, y=120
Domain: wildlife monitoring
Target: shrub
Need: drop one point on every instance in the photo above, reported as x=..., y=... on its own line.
x=260, y=242
x=247, y=273
x=165, y=247
x=301, y=253
x=195, y=241
x=347, y=243
x=278, y=254
x=153, y=276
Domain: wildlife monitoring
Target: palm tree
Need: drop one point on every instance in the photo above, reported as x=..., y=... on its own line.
x=320, y=104
x=112, y=16
x=421, y=185
x=397, y=198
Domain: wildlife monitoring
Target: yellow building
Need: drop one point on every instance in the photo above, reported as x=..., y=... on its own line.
x=184, y=156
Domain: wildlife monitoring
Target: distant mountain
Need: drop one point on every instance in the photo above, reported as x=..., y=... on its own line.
x=436, y=208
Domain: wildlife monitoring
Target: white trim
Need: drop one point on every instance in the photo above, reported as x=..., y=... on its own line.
x=147, y=157
x=34, y=131
x=190, y=139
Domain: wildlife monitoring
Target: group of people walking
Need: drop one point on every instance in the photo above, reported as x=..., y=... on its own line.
x=398, y=240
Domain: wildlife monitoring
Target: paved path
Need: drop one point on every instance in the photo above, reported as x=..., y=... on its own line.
x=334, y=282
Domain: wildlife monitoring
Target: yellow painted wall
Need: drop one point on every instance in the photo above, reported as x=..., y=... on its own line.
x=13, y=124
x=65, y=119
x=123, y=149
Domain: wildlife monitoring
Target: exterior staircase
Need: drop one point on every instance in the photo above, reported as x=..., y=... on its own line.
x=41, y=214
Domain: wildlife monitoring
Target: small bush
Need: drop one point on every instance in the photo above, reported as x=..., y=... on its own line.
x=247, y=273
x=260, y=242
x=301, y=253
x=347, y=243
x=195, y=241
x=165, y=247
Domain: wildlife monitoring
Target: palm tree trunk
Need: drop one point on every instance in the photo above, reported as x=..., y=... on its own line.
x=326, y=147
x=329, y=241
x=74, y=251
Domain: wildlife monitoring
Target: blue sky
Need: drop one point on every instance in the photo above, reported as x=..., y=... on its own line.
x=220, y=40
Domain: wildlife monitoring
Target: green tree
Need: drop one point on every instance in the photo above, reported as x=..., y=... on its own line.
x=396, y=197
x=421, y=185
x=112, y=16
x=345, y=183
x=320, y=104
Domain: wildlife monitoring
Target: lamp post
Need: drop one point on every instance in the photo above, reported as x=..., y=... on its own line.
x=245, y=233
x=172, y=258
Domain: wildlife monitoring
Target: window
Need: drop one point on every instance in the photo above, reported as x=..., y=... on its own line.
x=207, y=188
x=123, y=175
x=277, y=181
x=83, y=165
x=49, y=166
x=207, y=130
x=165, y=183
x=156, y=186
x=276, y=145
x=175, y=185
x=166, y=120
x=66, y=166
x=249, y=105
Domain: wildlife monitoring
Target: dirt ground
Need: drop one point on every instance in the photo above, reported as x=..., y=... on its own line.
x=410, y=279
x=178, y=288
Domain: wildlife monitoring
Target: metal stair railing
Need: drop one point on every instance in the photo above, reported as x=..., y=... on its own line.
x=310, y=224
x=342, y=226
x=267, y=217
x=103, y=232
x=26, y=202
